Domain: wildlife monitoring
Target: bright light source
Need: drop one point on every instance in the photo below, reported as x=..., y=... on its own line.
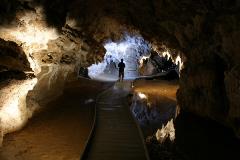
x=142, y=95
x=122, y=47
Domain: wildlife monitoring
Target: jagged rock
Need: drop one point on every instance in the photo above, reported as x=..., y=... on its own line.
x=12, y=56
x=67, y=59
x=205, y=32
x=201, y=30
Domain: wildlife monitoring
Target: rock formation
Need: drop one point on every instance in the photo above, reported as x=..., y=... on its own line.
x=205, y=34
x=36, y=61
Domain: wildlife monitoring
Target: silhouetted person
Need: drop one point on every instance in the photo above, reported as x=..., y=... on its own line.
x=121, y=67
x=112, y=66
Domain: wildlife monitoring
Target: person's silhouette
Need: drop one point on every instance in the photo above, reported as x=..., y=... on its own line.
x=112, y=66
x=121, y=67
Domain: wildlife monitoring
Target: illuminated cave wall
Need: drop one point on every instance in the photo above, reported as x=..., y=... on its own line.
x=36, y=60
x=205, y=32
x=133, y=49
x=130, y=48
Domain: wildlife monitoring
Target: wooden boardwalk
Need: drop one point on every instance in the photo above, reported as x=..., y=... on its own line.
x=116, y=135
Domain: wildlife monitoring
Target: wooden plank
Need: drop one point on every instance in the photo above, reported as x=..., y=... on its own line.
x=117, y=135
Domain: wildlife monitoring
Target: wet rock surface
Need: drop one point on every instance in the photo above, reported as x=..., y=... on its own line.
x=154, y=113
x=206, y=33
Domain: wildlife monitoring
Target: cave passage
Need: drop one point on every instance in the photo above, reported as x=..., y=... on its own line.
x=131, y=49
x=59, y=71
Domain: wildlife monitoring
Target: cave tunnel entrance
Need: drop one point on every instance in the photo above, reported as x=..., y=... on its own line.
x=131, y=49
x=140, y=58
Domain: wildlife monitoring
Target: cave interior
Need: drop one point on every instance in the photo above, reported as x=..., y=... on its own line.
x=188, y=49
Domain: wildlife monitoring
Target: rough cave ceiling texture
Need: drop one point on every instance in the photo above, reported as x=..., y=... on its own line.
x=206, y=32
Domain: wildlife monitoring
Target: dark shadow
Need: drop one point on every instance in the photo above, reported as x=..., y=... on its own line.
x=198, y=138
x=8, y=10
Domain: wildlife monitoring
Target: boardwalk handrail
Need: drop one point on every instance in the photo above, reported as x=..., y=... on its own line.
x=90, y=136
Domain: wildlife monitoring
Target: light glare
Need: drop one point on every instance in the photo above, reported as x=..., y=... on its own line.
x=142, y=95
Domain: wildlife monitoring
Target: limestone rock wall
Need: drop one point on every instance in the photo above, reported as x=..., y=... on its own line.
x=12, y=57
x=205, y=32
x=36, y=61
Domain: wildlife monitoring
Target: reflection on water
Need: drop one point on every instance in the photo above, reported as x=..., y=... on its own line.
x=154, y=107
x=149, y=114
x=167, y=131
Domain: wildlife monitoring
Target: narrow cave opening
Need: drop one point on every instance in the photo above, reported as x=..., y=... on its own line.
x=132, y=49
x=139, y=57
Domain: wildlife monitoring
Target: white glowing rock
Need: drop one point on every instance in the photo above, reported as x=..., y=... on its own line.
x=14, y=112
x=34, y=38
x=165, y=132
x=32, y=34
x=166, y=53
x=179, y=62
x=142, y=59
